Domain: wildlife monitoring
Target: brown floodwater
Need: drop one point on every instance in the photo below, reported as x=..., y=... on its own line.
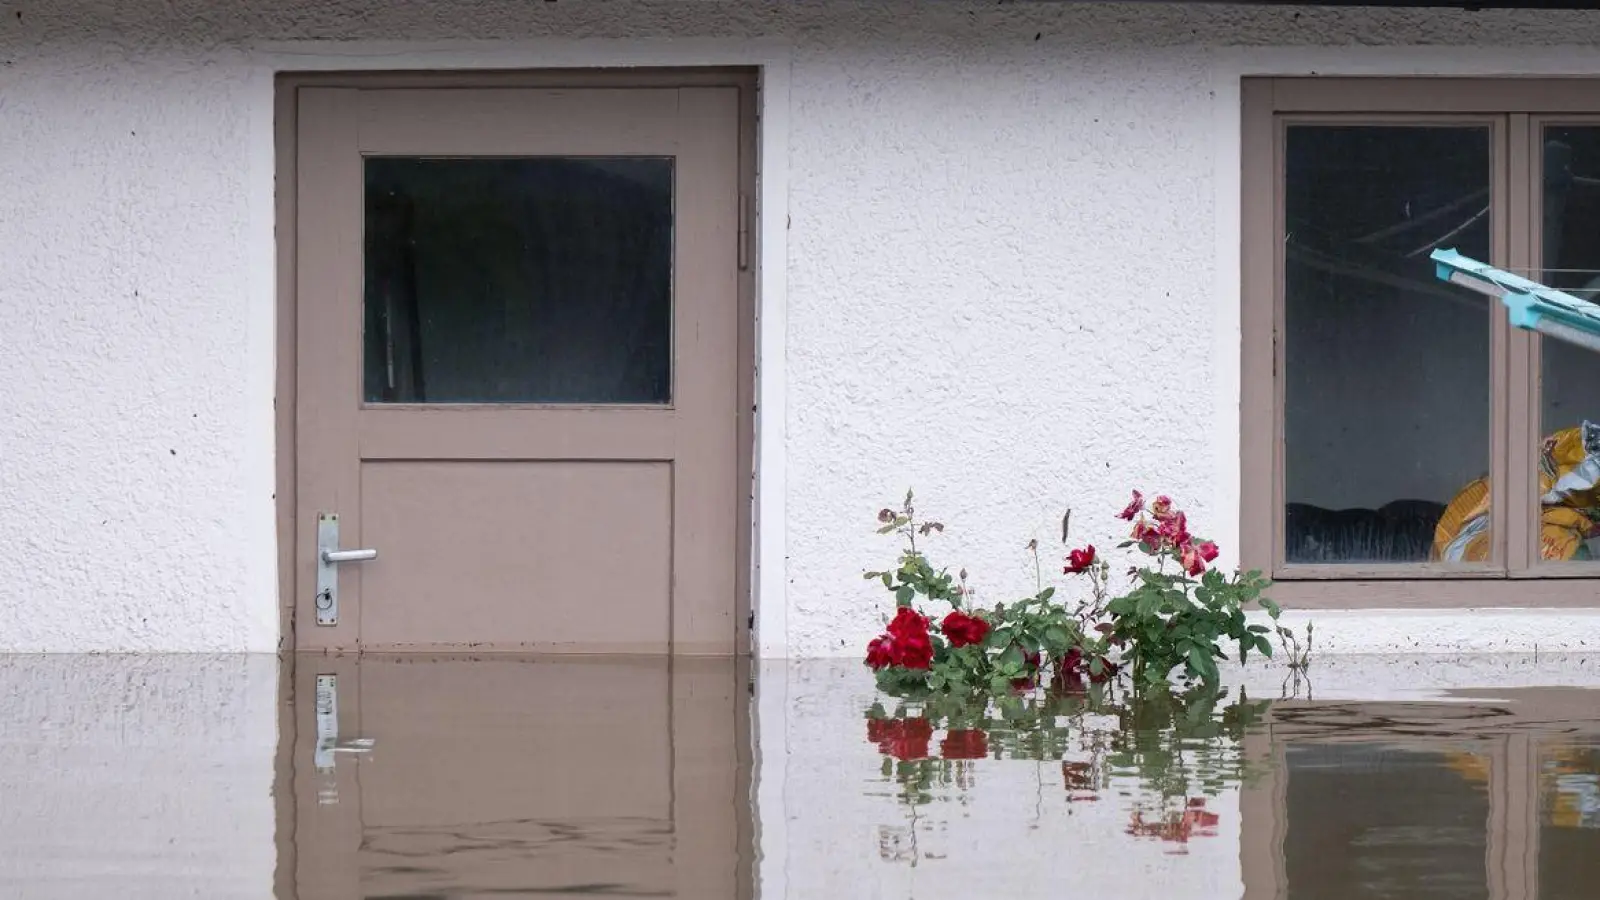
x=417, y=777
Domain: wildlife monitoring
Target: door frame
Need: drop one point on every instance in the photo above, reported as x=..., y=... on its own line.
x=286, y=90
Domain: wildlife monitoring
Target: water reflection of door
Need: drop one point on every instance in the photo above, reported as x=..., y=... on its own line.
x=552, y=778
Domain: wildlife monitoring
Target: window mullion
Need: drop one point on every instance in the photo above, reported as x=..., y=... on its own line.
x=1515, y=384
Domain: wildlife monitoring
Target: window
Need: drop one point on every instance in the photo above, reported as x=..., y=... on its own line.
x=1403, y=445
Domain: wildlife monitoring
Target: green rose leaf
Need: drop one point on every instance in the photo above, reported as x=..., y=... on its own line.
x=1011, y=659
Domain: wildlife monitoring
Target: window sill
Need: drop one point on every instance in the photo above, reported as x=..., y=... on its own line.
x=1389, y=572
x=1484, y=590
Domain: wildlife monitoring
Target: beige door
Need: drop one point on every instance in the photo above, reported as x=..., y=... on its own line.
x=518, y=379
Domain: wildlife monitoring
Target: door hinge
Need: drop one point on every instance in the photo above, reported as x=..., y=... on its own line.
x=744, y=231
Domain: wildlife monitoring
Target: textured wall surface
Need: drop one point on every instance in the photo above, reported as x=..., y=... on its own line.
x=134, y=502
x=138, y=777
x=972, y=188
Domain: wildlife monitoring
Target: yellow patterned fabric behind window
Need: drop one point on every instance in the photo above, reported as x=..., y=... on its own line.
x=1569, y=488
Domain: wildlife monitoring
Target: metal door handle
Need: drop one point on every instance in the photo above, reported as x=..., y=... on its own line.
x=328, y=558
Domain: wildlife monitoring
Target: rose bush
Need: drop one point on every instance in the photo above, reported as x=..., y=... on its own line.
x=1176, y=613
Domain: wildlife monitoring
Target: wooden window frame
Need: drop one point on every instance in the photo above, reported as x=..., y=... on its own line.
x=1515, y=109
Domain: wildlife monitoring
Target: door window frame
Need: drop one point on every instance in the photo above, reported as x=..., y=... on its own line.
x=1515, y=109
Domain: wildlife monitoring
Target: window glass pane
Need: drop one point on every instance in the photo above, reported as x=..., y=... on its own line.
x=1569, y=454
x=1386, y=381
x=540, y=280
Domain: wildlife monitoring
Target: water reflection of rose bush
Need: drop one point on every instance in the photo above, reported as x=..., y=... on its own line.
x=904, y=739
x=1166, y=750
x=964, y=743
x=1176, y=826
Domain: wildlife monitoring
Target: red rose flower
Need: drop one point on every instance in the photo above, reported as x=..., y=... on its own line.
x=1191, y=560
x=912, y=648
x=1080, y=560
x=1161, y=508
x=1175, y=530
x=1147, y=534
x=965, y=743
x=880, y=652
x=1133, y=508
x=908, y=622
x=1208, y=550
x=914, y=651
x=1067, y=678
x=907, y=643
x=903, y=739
x=961, y=629
x=1072, y=668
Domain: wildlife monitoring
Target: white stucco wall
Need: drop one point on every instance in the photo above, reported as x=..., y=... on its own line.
x=1005, y=274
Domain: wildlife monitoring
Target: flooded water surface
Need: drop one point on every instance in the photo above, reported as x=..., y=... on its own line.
x=419, y=777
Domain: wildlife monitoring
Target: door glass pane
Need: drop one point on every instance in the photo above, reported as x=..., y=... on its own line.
x=530, y=280
x=1386, y=381
x=1569, y=452
x=1569, y=819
